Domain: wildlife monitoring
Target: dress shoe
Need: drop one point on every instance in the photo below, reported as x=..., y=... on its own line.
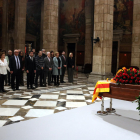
x=28, y=88
x=64, y=82
x=49, y=84
x=4, y=90
x=1, y=91
x=32, y=87
x=13, y=89
x=8, y=84
x=17, y=89
x=36, y=86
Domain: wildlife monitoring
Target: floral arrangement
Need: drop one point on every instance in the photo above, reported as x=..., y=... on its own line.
x=138, y=101
x=127, y=76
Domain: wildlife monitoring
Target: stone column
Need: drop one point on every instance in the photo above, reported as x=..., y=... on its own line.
x=41, y=28
x=102, y=51
x=135, y=53
x=20, y=24
x=5, y=25
x=88, y=31
x=50, y=25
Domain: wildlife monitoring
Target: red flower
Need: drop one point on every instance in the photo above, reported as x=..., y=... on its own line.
x=130, y=81
x=138, y=78
x=124, y=77
x=125, y=71
x=135, y=75
x=124, y=74
x=116, y=80
x=138, y=73
x=130, y=74
x=139, y=82
x=135, y=70
x=136, y=81
x=131, y=68
x=132, y=77
x=123, y=81
x=126, y=81
x=120, y=80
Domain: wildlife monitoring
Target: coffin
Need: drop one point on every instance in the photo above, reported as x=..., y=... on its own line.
x=126, y=92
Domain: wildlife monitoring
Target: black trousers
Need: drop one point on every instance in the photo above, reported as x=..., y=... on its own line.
x=39, y=73
x=9, y=77
x=52, y=76
x=56, y=79
x=30, y=78
x=2, y=78
x=21, y=78
x=17, y=76
x=63, y=73
x=47, y=74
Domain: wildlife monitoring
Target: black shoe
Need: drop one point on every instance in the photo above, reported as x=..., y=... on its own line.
x=17, y=89
x=49, y=84
x=36, y=86
x=32, y=87
x=8, y=84
x=51, y=81
x=4, y=90
x=64, y=82
x=28, y=88
x=13, y=89
x=1, y=91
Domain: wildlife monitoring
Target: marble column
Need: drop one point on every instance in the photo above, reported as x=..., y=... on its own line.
x=135, y=52
x=20, y=24
x=50, y=25
x=88, y=31
x=5, y=25
x=102, y=51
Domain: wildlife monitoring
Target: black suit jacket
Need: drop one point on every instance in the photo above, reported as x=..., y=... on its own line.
x=70, y=62
x=44, y=55
x=48, y=64
x=64, y=61
x=30, y=65
x=12, y=64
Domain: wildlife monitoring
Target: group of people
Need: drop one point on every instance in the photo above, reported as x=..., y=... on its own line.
x=41, y=65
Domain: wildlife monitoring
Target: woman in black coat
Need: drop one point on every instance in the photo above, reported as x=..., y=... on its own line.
x=70, y=67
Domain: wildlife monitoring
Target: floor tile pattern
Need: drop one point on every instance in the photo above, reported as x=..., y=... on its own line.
x=28, y=104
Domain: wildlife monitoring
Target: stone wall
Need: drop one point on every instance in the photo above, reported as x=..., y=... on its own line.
x=135, y=53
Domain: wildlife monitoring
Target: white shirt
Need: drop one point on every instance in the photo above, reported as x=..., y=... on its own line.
x=4, y=67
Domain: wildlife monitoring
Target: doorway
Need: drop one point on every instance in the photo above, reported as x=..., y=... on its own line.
x=114, y=57
x=71, y=49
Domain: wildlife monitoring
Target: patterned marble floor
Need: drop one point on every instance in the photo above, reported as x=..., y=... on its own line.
x=16, y=106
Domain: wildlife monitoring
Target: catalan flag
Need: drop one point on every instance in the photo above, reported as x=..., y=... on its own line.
x=101, y=86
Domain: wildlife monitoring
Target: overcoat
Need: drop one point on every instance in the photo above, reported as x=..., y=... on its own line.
x=55, y=66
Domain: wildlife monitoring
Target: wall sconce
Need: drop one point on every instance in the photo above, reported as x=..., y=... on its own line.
x=95, y=40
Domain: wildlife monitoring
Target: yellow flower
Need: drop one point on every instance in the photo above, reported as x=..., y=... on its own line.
x=124, y=68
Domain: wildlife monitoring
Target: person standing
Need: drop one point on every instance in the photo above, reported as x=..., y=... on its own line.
x=3, y=70
x=44, y=56
x=70, y=66
x=30, y=69
x=21, y=82
x=7, y=59
x=64, y=65
x=15, y=69
x=48, y=68
x=39, y=68
x=44, y=53
x=52, y=56
x=9, y=74
x=57, y=71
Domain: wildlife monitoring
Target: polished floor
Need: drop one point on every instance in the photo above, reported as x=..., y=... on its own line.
x=16, y=106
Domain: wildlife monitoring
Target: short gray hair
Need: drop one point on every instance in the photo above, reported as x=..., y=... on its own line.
x=15, y=50
x=43, y=49
x=48, y=53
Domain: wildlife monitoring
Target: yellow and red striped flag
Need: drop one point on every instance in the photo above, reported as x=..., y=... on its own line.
x=101, y=86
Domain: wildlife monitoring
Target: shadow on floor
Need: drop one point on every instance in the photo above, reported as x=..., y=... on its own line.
x=125, y=121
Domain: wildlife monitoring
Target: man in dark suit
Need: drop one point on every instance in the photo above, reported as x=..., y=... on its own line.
x=15, y=69
x=44, y=53
x=48, y=68
x=64, y=65
x=30, y=69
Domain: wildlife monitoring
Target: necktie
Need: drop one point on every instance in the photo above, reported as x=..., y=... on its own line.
x=64, y=57
x=17, y=63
